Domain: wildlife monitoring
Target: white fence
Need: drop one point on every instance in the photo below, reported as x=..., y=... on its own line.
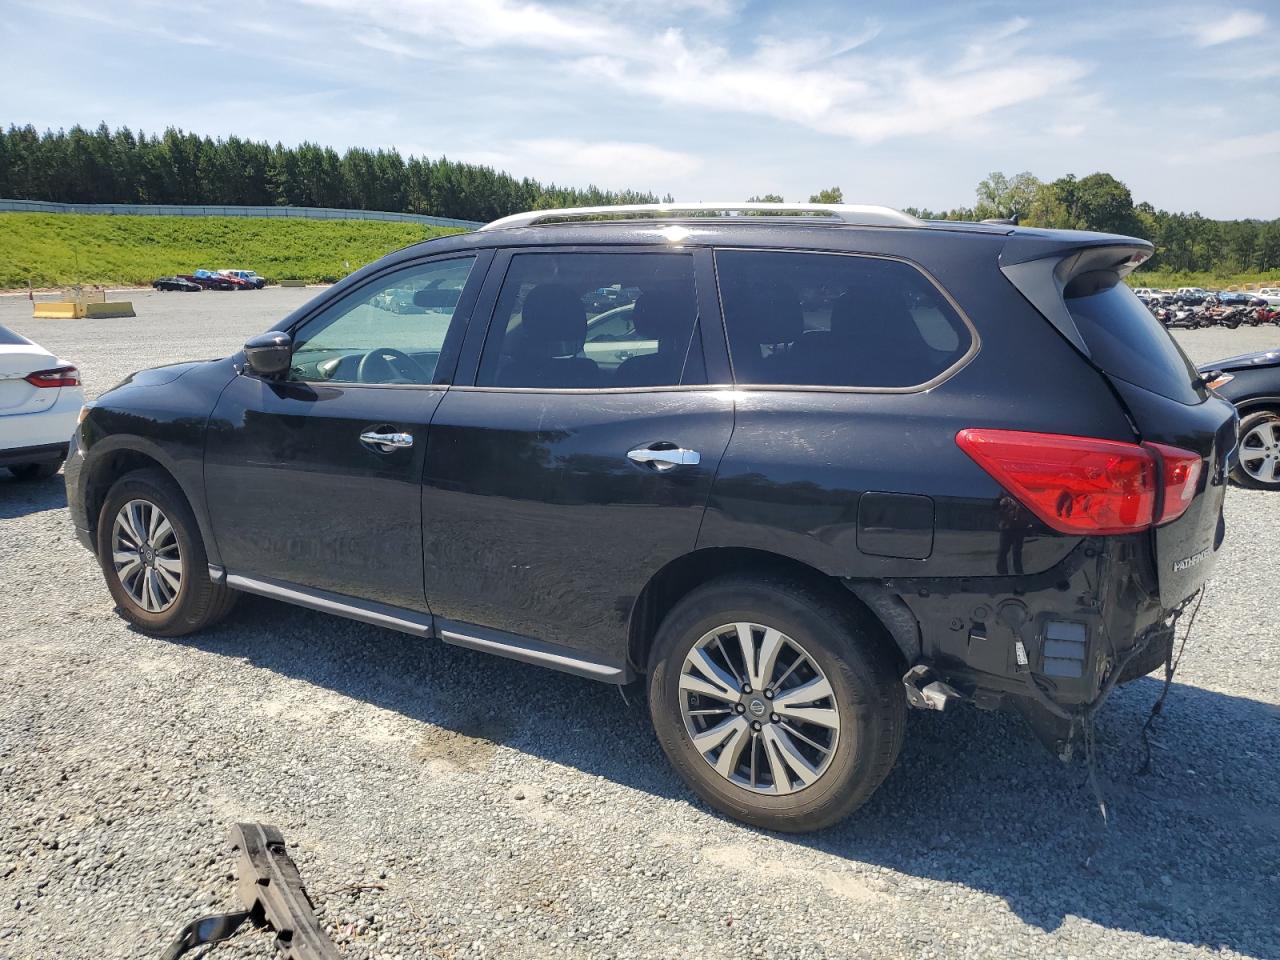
x=218, y=210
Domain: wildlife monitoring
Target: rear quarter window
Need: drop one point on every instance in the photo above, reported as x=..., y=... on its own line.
x=1126, y=341
x=836, y=320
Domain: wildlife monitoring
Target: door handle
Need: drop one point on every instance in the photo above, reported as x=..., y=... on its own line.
x=665, y=459
x=387, y=442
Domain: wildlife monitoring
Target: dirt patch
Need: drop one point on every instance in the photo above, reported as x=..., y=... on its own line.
x=468, y=745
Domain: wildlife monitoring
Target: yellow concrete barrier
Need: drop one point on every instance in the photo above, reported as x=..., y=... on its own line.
x=112, y=308
x=293, y=283
x=57, y=310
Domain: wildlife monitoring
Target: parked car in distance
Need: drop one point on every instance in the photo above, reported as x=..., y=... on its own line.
x=1240, y=299
x=248, y=276
x=1269, y=294
x=176, y=283
x=1192, y=296
x=1252, y=382
x=40, y=398
x=236, y=282
x=835, y=489
x=209, y=281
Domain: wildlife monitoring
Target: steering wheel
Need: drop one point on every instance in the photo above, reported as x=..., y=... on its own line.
x=389, y=365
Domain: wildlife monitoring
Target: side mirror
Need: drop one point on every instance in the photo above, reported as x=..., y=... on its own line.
x=269, y=354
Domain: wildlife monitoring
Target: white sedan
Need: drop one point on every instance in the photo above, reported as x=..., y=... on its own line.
x=40, y=398
x=1269, y=294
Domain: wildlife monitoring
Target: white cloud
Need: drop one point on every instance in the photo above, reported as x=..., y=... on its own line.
x=1246, y=147
x=1235, y=26
x=607, y=163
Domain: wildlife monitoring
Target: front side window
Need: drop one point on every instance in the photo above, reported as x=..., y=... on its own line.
x=811, y=319
x=592, y=320
x=390, y=331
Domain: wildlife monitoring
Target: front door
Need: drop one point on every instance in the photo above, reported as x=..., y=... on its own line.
x=314, y=479
x=569, y=474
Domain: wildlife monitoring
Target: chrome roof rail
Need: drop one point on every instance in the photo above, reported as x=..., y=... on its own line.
x=859, y=214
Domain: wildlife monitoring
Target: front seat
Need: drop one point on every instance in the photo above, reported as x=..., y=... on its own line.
x=665, y=316
x=553, y=327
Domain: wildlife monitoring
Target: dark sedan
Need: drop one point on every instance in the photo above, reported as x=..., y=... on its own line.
x=176, y=283
x=1252, y=383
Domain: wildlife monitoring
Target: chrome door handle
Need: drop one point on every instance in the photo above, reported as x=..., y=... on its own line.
x=386, y=442
x=665, y=459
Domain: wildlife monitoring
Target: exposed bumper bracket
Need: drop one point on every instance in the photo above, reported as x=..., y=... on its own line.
x=926, y=693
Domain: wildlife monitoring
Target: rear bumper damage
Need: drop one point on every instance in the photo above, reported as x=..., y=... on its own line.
x=1051, y=645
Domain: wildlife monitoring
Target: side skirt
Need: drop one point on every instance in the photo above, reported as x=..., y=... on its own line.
x=472, y=636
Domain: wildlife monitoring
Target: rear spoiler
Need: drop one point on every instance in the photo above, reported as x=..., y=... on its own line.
x=1041, y=270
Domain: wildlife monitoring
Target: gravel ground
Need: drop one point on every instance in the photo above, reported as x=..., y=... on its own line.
x=444, y=804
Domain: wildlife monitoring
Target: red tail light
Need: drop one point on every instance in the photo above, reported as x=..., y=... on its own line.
x=1083, y=485
x=57, y=377
x=1181, y=474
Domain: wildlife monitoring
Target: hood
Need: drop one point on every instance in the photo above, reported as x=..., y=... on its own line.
x=1246, y=361
x=159, y=376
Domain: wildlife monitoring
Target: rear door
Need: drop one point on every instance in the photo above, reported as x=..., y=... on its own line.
x=551, y=493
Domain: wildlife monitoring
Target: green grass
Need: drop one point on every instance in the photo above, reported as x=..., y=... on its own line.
x=1210, y=280
x=56, y=249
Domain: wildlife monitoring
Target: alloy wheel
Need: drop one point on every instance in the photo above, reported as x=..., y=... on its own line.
x=1260, y=452
x=146, y=556
x=759, y=709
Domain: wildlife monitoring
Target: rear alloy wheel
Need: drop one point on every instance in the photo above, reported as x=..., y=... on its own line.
x=778, y=702
x=153, y=559
x=758, y=708
x=1258, y=453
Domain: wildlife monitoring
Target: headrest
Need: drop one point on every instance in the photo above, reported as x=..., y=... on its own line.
x=553, y=321
x=772, y=314
x=861, y=310
x=664, y=314
x=435, y=297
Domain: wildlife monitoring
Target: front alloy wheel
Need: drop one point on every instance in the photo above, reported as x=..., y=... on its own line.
x=146, y=555
x=758, y=708
x=1260, y=450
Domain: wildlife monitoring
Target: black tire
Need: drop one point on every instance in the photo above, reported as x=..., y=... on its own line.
x=1248, y=424
x=851, y=649
x=36, y=471
x=199, y=602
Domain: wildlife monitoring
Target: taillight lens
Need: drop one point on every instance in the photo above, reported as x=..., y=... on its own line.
x=57, y=377
x=1084, y=485
x=1180, y=473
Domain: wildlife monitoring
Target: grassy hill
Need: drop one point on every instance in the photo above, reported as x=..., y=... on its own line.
x=62, y=248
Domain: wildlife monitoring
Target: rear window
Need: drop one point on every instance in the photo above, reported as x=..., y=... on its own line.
x=1126, y=340
x=10, y=339
x=834, y=320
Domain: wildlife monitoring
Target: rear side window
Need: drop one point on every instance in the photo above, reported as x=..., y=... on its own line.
x=811, y=319
x=1126, y=340
x=10, y=339
x=594, y=320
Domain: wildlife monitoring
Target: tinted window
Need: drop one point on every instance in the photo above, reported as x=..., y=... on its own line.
x=10, y=339
x=1125, y=340
x=812, y=319
x=583, y=320
x=389, y=331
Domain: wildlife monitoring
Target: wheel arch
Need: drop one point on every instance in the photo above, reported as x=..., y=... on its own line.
x=116, y=456
x=686, y=573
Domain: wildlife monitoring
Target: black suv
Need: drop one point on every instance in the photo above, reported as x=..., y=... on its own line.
x=829, y=463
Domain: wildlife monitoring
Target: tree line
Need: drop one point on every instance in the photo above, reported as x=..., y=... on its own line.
x=1184, y=242
x=120, y=166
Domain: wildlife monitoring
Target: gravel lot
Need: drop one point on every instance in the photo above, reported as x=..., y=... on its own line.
x=443, y=804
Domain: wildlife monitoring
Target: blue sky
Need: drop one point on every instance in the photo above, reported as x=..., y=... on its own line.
x=905, y=104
